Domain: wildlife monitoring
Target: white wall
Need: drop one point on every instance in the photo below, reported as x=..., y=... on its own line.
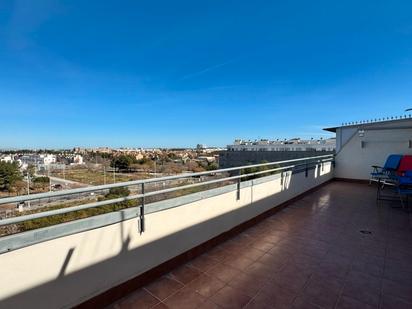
x=354, y=161
x=66, y=271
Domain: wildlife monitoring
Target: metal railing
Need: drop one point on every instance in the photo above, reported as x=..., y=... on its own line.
x=302, y=164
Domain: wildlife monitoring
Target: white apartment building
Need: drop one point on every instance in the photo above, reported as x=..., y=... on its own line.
x=7, y=159
x=38, y=159
x=295, y=144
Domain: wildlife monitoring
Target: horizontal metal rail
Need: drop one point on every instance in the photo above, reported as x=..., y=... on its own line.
x=31, y=197
x=19, y=219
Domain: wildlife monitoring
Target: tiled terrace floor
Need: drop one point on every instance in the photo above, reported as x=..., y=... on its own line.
x=310, y=255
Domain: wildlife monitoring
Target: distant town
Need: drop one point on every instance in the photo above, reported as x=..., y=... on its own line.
x=93, y=166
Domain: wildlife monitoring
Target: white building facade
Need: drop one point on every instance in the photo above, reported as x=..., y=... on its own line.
x=370, y=143
x=295, y=144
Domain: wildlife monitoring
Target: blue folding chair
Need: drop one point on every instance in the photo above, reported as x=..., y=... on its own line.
x=386, y=174
x=388, y=170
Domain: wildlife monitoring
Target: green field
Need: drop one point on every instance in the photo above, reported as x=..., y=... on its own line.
x=95, y=177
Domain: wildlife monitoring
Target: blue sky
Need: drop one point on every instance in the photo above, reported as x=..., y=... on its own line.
x=178, y=73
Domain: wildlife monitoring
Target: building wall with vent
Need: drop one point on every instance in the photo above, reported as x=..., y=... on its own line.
x=360, y=147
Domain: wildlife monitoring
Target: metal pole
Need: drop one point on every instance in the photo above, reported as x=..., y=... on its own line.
x=28, y=187
x=48, y=174
x=238, y=186
x=142, y=223
x=64, y=175
x=306, y=168
x=104, y=174
x=114, y=174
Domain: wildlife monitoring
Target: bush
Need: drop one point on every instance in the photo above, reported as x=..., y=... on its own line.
x=41, y=180
x=80, y=214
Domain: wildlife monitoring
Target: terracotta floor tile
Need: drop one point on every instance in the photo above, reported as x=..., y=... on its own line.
x=396, y=289
x=247, y=284
x=184, y=299
x=160, y=306
x=139, y=299
x=292, y=282
x=398, y=273
x=229, y=297
x=209, y=305
x=301, y=303
x=257, y=304
x=323, y=291
x=223, y=272
x=253, y=254
x=262, y=245
x=273, y=261
x=392, y=302
x=206, y=285
x=185, y=274
x=281, y=298
x=203, y=263
x=163, y=287
x=239, y=262
x=261, y=270
x=364, y=288
x=368, y=264
x=346, y=302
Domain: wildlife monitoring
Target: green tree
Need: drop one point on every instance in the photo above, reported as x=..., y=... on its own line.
x=9, y=175
x=41, y=182
x=31, y=170
x=122, y=162
x=212, y=166
x=41, y=179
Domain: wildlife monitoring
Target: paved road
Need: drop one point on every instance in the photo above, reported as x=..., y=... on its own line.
x=61, y=181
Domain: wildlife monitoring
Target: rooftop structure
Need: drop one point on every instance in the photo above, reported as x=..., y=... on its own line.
x=363, y=144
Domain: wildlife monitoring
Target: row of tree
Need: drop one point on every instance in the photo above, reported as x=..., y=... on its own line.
x=128, y=163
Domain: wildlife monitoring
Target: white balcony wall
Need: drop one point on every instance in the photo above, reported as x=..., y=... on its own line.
x=66, y=271
x=355, y=157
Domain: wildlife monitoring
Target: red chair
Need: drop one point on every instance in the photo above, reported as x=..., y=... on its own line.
x=405, y=165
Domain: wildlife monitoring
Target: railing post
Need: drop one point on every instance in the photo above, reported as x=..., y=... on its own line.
x=141, y=217
x=306, y=168
x=238, y=186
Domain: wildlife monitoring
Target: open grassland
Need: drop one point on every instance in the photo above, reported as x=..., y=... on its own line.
x=96, y=177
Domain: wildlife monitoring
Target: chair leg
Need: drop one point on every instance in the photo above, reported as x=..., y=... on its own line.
x=400, y=197
x=378, y=190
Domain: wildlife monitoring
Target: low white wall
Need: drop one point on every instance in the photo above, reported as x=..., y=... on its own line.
x=65, y=271
x=355, y=158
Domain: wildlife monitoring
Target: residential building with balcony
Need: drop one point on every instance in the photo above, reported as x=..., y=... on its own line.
x=243, y=152
x=294, y=144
